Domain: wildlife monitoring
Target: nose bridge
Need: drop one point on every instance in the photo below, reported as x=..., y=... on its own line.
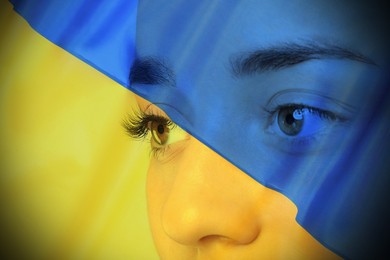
x=208, y=200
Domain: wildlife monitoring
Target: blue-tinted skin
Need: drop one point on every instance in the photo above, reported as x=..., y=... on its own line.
x=335, y=170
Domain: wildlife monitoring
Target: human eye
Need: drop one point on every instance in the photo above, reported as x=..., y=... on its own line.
x=158, y=129
x=300, y=121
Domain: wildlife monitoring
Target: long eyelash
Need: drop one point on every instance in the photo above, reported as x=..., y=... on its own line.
x=136, y=125
x=324, y=114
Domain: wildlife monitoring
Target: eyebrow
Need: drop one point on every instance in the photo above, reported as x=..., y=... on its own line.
x=287, y=55
x=151, y=70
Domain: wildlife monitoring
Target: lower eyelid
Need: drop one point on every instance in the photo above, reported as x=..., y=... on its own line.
x=169, y=152
x=155, y=152
x=305, y=145
x=295, y=146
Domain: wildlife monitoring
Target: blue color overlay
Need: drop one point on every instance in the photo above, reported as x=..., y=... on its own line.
x=344, y=208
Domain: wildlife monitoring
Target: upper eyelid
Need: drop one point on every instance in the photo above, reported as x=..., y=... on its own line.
x=324, y=113
x=158, y=118
x=301, y=106
x=136, y=125
x=309, y=94
x=153, y=109
x=312, y=99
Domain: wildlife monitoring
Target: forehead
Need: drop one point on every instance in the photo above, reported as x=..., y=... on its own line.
x=195, y=30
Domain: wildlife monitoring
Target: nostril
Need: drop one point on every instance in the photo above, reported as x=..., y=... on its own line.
x=191, y=226
x=243, y=235
x=228, y=240
x=207, y=240
x=233, y=235
x=190, y=223
x=206, y=202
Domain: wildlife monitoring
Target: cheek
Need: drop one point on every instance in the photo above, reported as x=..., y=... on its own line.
x=157, y=191
x=155, y=198
x=159, y=181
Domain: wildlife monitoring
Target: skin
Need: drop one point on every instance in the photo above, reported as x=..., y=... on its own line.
x=200, y=205
x=250, y=221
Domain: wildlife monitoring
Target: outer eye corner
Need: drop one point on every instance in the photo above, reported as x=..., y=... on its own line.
x=301, y=128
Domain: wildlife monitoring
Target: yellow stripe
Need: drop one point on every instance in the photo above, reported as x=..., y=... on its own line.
x=72, y=182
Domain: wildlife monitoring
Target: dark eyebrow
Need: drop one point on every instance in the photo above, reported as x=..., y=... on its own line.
x=287, y=55
x=151, y=70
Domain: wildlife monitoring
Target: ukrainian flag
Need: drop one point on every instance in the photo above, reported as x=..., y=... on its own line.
x=72, y=183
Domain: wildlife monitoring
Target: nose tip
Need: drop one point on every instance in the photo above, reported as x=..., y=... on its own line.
x=191, y=226
x=209, y=201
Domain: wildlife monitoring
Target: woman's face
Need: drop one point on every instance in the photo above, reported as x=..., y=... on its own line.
x=200, y=204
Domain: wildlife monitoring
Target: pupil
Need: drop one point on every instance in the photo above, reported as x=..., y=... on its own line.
x=290, y=119
x=160, y=129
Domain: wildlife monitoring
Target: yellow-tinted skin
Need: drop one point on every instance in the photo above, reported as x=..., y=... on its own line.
x=202, y=207
x=71, y=180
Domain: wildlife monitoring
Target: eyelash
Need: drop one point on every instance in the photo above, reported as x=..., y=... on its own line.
x=323, y=114
x=136, y=126
x=298, y=142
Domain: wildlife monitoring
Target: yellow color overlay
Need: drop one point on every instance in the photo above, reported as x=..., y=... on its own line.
x=72, y=183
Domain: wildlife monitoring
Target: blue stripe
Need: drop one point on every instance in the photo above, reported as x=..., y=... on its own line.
x=337, y=207
x=101, y=33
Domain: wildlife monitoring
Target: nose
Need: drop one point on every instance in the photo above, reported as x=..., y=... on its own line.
x=209, y=200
